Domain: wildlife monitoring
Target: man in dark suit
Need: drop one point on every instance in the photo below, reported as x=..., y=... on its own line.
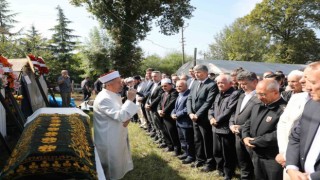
x=200, y=99
x=219, y=115
x=165, y=107
x=184, y=123
x=152, y=105
x=260, y=131
x=145, y=92
x=248, y=82
x=303, y=152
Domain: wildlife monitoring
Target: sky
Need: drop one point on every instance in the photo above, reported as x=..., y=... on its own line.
x=209, y=18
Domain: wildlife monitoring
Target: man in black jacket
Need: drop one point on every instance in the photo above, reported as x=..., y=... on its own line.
x=165, y=107
x=202, y=94
x=248, y=82
x=260, y=131
x=219, y=115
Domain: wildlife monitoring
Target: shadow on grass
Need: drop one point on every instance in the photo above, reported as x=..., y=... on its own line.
x=152, y=167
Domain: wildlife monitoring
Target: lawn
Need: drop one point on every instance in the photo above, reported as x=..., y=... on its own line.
x=151, y=162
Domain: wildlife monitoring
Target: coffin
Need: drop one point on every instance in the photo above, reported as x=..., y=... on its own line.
x=53, y=146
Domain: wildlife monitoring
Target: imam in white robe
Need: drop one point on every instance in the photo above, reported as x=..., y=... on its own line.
x=110, y=137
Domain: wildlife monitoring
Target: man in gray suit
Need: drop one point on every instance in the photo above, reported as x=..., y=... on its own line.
x=248, y=82
x=200, y=99
x=303, y=152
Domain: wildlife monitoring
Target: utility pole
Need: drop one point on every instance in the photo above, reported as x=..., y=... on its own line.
x=183, y=42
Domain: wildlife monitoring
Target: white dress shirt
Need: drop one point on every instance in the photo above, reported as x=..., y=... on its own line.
x=246, y=99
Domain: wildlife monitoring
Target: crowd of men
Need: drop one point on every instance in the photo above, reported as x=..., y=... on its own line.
x=267, y=126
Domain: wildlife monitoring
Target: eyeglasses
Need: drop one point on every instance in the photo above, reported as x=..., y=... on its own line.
x=261, y=94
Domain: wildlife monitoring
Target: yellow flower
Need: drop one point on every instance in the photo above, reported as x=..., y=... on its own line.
x=53, y=129
x=66, y=164
x=33, y=166
x=21, y=169
x=54, y=125
x=56, y=164
x=49, y=140
x=51, y=134
x=45, y=164
x=85, y=168
x=47, y=148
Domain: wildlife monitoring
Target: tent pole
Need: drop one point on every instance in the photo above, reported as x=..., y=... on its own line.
x=10, y=114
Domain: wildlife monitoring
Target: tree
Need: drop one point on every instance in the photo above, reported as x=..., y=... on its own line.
x=9, y=45
x=96, y=53
x=168, y=64
x=290, y=23
x=62, y=45
x=240, y=41
x=128, y=21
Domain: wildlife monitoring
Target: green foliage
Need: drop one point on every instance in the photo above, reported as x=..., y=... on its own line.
x=96, y=53
x=6, y=20
x=240, y=41
x=62, y=45
x=151, y=162
x=129, y=21
x=168, y=64
x=290, y=23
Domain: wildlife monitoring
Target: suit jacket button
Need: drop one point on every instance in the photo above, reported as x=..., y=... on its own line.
x=302, y=158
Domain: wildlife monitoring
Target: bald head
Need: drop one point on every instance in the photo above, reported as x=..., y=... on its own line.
x=267, y=91
x=313, y=81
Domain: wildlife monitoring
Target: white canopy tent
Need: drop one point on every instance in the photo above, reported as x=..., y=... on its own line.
x=219, y=66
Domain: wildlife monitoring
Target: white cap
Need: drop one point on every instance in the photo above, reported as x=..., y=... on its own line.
x=109, y=77
x=165, y=81
x=129, y=79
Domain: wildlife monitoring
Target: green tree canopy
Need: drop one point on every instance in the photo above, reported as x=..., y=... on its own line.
x=129, y=21
x=240, y=41
x=291, y=24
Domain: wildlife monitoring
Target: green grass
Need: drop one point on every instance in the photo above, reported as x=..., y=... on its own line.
x=151, y=162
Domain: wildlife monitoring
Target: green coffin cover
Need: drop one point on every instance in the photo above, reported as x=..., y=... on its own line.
x=53, y=146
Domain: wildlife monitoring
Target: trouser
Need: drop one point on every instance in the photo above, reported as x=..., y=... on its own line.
x=225, y=153
x=244, y=159
x=186, y=137
x=160, y=128
x=144, y=114
x=142, y=118
x=203, y=142
x=150, y=123
x=86, y=95
x=66, y=98
x=266, y=169
x=171, y=128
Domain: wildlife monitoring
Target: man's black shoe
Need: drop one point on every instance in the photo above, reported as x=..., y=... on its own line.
x=162, y=145
x=197, y=164
x=207, y=169
x=187, y=161
x=182, y=157
x=168, y=149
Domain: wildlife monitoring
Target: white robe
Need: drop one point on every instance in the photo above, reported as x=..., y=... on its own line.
x=110, y=137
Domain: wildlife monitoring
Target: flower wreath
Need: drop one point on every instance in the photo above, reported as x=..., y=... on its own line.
x=7, y=77
x=40, y=66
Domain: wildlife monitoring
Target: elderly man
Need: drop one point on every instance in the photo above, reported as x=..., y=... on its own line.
x=290, y=115
x=248, y=82
x=260, y=131
x=293, y=84
x=184, y=123
x=165, y=107
x=303, y=152
x=110, y=121
x=200, y=99
x=65, y=86
x=219, y=115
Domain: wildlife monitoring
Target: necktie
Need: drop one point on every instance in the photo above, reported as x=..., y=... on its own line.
x=164, y=99
x=200, y=86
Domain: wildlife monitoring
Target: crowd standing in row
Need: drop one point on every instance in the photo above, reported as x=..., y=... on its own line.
x=268, y=127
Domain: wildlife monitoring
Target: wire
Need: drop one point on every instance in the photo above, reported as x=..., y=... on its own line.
x=136, y=31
